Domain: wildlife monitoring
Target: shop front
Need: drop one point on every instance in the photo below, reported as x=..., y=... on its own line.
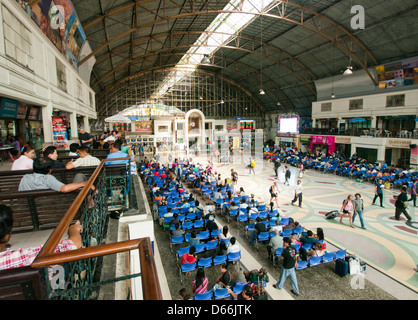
x=21, y=120
x=322, y=144
x=398, y=153
x=343, y=146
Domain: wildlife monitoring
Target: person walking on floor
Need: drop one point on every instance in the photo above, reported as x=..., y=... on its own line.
x=276, y=166
x=251, y=166
x=347, y=210
x=358, y=209
x=378, y=192
x=289, y=267
x=414, y=192
x=274, y=193
x=401, y=205
x=287, y=174
x=298, y=194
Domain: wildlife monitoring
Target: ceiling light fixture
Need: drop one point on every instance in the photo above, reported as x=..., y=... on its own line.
x=205, y=59
x=349, y=71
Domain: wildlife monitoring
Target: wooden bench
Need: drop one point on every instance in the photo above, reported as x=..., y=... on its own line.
x=36, y=210
x=21, y=284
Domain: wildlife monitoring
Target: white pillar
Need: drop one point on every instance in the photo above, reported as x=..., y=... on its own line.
x=374, y=122
x=73, y=124
x=47, y=123
x=86, y=124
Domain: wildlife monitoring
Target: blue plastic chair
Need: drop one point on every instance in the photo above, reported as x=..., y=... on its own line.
x=198, y=224
x=298, y=230
x=182, y=251
x=215, y=233
x=302, y=265
x=200, y=247
x=314, y=261
x=219, y=260
x=187, y=225
x=239, y=286
x=234, y=256
x=287, y=233
x=284, y=221
x=187, y=267
x=204, y=296
x=307, y=246
x=204, y=262
x=211, y=245
x=204, y=235
x=221, y=293
x=232, y=213
x=340, y=254
x=177, y=240
x=328, y=257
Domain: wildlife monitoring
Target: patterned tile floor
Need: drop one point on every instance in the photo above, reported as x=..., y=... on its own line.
x=390, y=246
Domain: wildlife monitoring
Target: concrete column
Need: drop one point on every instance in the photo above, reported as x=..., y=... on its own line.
x=47, y=123
x=86, y=124
x=73, y=123
x=313, y=123
x=374, y=122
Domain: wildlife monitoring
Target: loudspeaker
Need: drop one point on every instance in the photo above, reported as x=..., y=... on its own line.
x=413, y=146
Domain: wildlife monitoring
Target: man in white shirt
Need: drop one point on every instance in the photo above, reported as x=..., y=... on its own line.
x=233, y=246
x=85, y=160
x=298, y=194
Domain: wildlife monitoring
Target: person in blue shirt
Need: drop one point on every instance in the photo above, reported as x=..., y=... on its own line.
x=116, y=153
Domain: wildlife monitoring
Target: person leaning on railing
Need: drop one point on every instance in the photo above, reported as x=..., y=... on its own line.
x=25, y=256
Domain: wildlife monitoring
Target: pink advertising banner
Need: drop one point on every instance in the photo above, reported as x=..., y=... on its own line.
x=329, y=141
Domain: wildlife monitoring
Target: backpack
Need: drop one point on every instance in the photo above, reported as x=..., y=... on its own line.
x=271, y=189
x=252, y=164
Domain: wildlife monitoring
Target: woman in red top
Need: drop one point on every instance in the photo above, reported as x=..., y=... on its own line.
x=189, y=257
x=200, y=283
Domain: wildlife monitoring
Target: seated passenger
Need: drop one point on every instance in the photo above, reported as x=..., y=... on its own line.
x=310, y=239
x=85, y=160
x=73, y=150
x=234, y=246
x=116, y=153
x=51, y=153
x=318, y=251
x=41, y=179
x=189, y=257
x=200, y=283
x=25, y=161
x=24, y=257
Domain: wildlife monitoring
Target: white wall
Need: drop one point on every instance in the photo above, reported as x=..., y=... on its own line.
x=38, y=85
x=373, y=106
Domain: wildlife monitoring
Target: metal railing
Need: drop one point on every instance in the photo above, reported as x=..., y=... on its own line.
x=80, y=268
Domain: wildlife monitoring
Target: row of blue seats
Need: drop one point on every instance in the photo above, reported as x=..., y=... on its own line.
x=202, y=236
x=326, y=258
x=264, y=236
x=209, y=262
x=222, y=293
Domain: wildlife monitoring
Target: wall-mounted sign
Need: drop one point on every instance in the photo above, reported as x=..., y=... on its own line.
x=398, y=143
x=8, y=108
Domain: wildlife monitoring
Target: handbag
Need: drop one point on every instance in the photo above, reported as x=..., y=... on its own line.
x=354, y=266
x=405, y=204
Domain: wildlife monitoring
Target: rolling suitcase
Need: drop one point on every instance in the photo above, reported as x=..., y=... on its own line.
x=341, y=267
x=332, y=215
